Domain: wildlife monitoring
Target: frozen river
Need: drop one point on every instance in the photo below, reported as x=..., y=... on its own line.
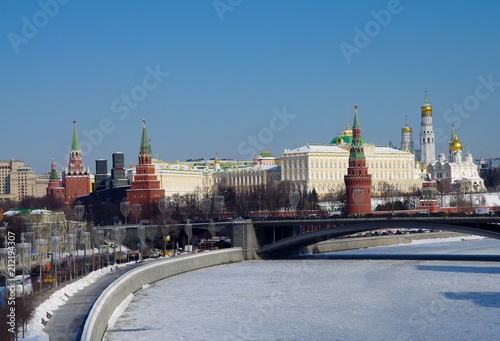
x=327, y=299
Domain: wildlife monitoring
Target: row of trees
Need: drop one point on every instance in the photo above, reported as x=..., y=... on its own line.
x=491, y=178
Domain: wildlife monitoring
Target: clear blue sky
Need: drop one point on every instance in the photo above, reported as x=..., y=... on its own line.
x=232, y=66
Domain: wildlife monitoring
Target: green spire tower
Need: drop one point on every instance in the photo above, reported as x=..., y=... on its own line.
x=356, y=150
x=145, y=146
x=75, y=146
x=53, y=171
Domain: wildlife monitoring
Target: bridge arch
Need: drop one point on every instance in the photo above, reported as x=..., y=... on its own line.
x=292, y=244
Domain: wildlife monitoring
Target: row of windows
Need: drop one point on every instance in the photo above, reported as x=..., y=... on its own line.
x=325, y=188
x=343, y=164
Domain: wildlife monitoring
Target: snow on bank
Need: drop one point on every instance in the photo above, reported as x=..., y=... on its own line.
x=444, y=240
x=58, y=298
x=119, y=310
x=479, y=199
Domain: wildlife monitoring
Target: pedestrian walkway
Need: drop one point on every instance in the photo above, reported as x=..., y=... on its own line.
x=68, y=320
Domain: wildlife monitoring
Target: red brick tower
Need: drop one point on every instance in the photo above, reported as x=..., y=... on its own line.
x=76, y=180
x=146, y=189
x=428, y=200
x=357, y=181
x=55, y=188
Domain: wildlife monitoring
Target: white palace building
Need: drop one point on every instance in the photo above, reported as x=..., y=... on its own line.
x=323, y=166
x=318, y=166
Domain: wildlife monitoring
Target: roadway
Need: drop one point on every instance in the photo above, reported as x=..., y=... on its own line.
x=68, y=320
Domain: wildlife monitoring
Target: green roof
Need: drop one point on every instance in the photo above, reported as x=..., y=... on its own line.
x=345, y=139
x=266, y=154
x=53, y=172
x=356, y=122
x=145, y=147
x=75, y=146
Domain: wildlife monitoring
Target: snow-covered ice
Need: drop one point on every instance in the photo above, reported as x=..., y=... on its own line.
x=326, y=299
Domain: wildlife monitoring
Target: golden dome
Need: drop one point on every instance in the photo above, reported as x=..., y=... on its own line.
x=455, y=144
x=426, y=109
x=424, y=167
x=217, y=160
x=406, y=129
x=347, y=132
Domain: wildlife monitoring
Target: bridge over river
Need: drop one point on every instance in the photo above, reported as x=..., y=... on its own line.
x=278, y=238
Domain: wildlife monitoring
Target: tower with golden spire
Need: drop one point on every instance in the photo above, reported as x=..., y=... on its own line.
x=427, y=143
x=455, y=147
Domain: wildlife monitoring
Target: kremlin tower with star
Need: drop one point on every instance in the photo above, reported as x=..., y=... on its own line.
x=357, y=181
x=75, y=180
x=146, y=188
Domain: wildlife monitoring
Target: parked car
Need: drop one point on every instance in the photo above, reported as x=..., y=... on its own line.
x=23, y=285
x=335, y=214
x=154, y=253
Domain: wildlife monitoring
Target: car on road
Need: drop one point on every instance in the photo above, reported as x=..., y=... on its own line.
x=334, y=214
x=23, y=285
x=154, y=253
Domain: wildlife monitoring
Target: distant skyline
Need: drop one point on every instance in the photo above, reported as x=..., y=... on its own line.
x=238, y=77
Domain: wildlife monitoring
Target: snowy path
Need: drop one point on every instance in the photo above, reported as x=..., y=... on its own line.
x=68, y=319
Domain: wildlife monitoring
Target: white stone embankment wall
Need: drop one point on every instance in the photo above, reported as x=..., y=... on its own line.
x=108, y=301
x=364, y=242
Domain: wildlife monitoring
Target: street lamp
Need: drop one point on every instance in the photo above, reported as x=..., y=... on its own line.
x=165, y=206
x=141, y=235
x=294, y=197
x=260, y=194
x=125, y=208
x=357, y=196
x=211, y=228
x=188, y=228
x=120, y=233
x=79, y=210
x=219, y=203
x=151, y=232
x=136, y=211
x=206, y=203
x=70, y=243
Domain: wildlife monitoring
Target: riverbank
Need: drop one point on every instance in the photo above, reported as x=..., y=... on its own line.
x=343, y=244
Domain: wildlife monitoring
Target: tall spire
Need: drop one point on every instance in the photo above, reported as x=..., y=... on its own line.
x=347, y=111
x=75, y=146
x=357, y=180
x=145, y=147
x=356, y=150
x=53, y=171
x=356, y=123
